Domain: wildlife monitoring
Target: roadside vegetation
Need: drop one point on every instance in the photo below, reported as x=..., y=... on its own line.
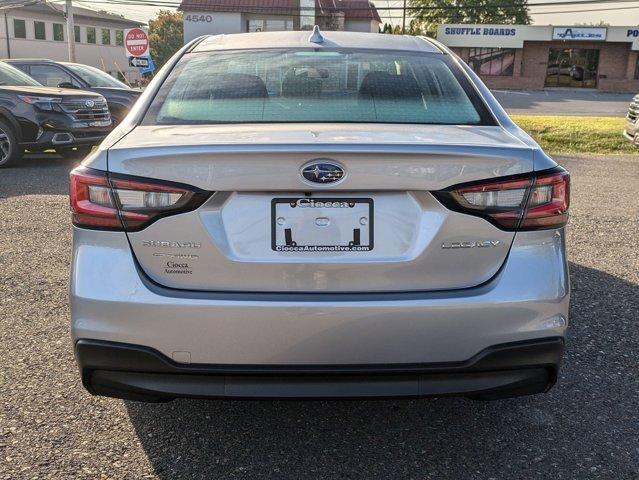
x=574, y=135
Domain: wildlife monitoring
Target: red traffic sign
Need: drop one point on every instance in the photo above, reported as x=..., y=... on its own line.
x=136, y=42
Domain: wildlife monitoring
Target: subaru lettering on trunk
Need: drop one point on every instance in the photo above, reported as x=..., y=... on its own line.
x=340, y=215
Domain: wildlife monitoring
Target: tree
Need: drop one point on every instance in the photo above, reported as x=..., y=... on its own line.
x=477, y=11
x=166, y=36
x=413, y=28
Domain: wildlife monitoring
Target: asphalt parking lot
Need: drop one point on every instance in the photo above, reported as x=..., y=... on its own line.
x=561, y=101
x=587, y=427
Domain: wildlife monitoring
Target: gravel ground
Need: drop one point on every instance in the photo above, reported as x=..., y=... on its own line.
x=586, y=427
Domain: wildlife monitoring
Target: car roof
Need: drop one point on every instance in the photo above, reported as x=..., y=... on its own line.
x=300, y=39
x=18, y=60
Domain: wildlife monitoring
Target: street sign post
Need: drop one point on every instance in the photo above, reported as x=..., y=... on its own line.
x=136, y=42
x=150, y=66
x=139, y=62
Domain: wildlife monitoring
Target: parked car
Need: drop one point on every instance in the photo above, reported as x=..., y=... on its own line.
x=36, y=118
x=340, y=215
x=631, y=131
x=119, y=96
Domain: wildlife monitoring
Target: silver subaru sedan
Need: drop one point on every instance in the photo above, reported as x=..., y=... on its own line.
x=333, y=215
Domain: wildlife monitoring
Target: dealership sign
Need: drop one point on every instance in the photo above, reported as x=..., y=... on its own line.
x=579, y=33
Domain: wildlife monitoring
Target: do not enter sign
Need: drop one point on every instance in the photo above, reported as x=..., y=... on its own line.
x=136, y=42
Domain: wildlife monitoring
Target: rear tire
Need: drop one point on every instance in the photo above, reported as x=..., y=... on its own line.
x=10, y=151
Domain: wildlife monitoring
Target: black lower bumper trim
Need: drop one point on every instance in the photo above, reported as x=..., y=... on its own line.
x=140, y=373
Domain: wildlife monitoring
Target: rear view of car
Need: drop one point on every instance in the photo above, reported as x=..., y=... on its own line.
x=346, y=215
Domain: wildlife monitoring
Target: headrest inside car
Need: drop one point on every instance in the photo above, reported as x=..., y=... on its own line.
x=237, y=85
x=383, y=85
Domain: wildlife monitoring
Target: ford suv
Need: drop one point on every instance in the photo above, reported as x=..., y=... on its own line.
x=38, y=118
x=334, y=215
x=119, y=96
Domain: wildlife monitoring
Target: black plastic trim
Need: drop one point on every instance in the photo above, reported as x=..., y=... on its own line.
x=118, y=369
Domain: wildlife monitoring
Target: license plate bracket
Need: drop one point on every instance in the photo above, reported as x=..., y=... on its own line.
x=326, y=224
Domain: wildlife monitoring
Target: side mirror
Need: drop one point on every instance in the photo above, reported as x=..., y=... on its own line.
x=67, y=85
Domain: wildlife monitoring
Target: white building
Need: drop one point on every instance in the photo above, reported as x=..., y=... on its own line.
x=203, y=17
x=39, y=31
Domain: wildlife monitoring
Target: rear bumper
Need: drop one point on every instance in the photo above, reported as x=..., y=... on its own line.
x=631, y=136
x=213, y=344
x=66, y=139
x=631, y=131
x=135, y=372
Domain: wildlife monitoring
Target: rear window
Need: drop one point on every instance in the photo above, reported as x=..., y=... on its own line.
x=270, y=86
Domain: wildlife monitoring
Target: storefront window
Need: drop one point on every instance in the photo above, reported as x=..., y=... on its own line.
x=637, y=69
x=307, y=14
x=572, y=67
x=492, y=61
x=260, y=25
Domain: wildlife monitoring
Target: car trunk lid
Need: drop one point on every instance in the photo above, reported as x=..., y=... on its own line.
x=240, y=238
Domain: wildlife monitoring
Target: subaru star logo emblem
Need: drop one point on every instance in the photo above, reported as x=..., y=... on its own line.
x=322, y=172
x=89, y=103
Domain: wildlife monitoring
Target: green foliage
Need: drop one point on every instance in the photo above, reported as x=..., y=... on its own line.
x=413, y=28
x=166, y=36
x=480, y=11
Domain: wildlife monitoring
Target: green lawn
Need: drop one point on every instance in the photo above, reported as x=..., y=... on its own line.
x=569, y=135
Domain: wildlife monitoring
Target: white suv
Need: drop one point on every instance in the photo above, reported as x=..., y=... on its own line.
x=631, y=131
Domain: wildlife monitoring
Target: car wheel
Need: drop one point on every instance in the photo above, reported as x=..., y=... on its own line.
x=10, y=151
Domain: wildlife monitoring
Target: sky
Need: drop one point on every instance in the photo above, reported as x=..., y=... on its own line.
x=628, y=16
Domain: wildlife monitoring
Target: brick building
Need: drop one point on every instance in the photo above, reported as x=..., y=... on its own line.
x=532, y=56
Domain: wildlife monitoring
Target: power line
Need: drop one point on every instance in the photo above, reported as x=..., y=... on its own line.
x=169, y=3
x=265, y=9
x=399, y=17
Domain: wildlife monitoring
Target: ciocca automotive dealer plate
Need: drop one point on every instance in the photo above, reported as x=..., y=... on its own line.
x=307, y=224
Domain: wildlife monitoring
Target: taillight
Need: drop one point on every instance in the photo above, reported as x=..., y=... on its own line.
x=116, y=202
x=91, y=201
x=523, y=202
x=548, y=202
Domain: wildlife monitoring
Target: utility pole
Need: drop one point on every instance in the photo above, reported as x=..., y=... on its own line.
x=70, y=30
x=6, y=29
x=404, y=19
